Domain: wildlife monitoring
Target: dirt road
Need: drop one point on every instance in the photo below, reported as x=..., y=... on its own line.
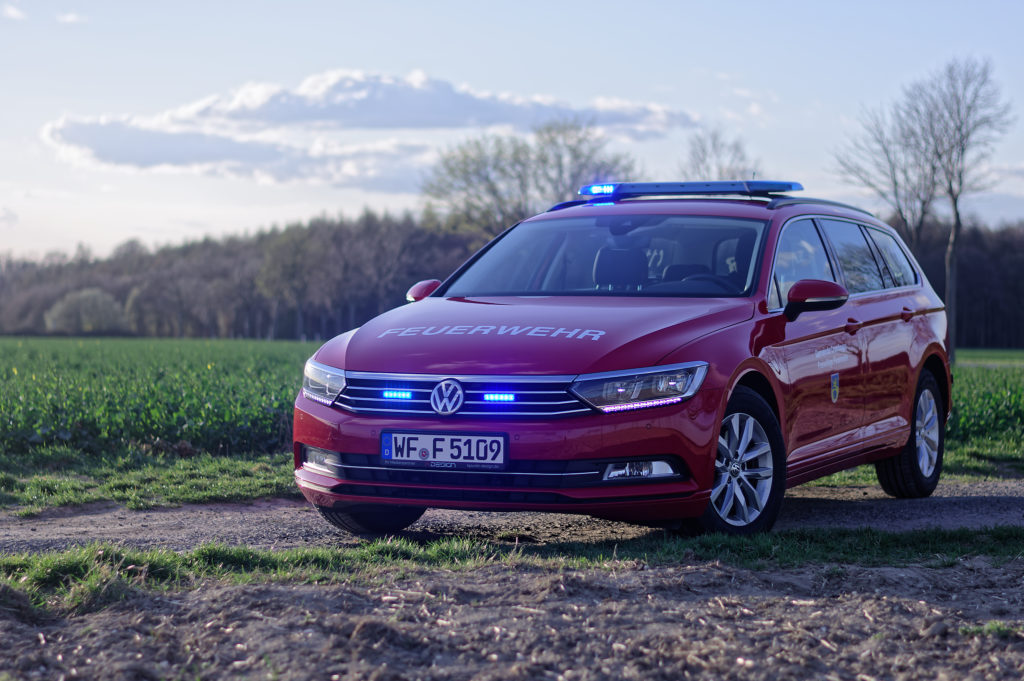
x=286, y=524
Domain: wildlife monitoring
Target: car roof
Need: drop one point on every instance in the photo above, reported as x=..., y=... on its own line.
x=755, y=199
x=767, y=209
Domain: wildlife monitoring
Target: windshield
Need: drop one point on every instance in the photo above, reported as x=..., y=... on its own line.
x=620, y=255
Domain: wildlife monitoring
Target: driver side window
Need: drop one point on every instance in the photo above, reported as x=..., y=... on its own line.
x=800, y=255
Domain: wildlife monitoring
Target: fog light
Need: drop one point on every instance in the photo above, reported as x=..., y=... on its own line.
x=314, y=457
x=638, y=470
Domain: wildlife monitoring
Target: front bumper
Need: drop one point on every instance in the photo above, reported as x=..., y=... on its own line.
x=555, y=465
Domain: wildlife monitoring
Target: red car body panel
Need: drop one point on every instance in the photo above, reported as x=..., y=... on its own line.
x=877, y=343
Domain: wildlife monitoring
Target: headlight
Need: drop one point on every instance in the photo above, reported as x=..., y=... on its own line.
x=653, y=387
x=322, y=383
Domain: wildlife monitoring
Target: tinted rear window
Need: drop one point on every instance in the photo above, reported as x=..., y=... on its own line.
x=896, y=260
x=855, y=256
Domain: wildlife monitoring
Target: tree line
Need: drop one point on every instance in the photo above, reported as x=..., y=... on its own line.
x=308, y=280
x=321, y=277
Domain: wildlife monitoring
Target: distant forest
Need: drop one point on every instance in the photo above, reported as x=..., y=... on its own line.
x=316, y=279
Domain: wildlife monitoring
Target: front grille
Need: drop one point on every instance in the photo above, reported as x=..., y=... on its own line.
x=533, y=396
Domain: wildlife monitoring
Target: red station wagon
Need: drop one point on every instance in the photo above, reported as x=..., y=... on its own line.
x=673, y=354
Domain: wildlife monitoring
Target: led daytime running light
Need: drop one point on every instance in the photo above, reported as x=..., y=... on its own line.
x=629, y=406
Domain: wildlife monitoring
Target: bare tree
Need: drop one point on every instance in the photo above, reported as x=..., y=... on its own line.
x=961, y=111
x=893, y=157
x=712, y=156
x=485, y=180
x=491, y=182
x=568, y=155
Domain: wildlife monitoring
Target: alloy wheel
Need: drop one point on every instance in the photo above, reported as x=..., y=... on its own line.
x=743, y=470
x=926, y=436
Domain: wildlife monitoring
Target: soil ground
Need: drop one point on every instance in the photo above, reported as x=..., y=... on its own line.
x=699, y=620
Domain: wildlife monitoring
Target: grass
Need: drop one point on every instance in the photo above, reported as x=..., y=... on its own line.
x=993, y=628
x=87, y=578
x=61, y=476
x=145, y=422
x=101, y=394
x=989, y=357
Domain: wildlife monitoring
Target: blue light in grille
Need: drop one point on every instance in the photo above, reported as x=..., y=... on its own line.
x=397, y=394
x=499, y=397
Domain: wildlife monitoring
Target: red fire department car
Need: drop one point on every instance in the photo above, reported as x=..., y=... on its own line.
x=662, y=353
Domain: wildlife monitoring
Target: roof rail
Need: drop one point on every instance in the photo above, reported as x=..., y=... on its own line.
x=781, y=201
x=623, y=190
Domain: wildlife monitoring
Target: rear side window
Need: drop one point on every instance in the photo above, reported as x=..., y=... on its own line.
x=855, y=256
x=800, y=255
x=902, y=271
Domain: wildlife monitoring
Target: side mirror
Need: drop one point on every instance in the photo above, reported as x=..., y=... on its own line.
x=808, y=295
x=422, y=289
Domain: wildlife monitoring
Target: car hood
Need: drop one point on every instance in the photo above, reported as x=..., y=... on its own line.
x=527, y=335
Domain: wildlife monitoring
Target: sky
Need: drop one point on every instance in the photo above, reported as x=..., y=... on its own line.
x=168, y=122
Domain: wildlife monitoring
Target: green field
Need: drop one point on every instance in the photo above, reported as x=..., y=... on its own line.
x=145, y=422
x=150, y=422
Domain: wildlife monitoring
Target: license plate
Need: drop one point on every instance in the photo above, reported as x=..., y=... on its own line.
x=445, y=451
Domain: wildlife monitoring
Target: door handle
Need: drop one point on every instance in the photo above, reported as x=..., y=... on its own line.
x=852, y=325
x=906, y=314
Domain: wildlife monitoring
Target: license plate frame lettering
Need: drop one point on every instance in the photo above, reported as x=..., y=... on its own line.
x=444, y=451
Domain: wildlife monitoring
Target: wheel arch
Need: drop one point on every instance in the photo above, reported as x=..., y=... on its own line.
x=756, y=381
x=935, y=365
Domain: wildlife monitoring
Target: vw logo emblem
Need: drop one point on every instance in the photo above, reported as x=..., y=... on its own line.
x=446, y=397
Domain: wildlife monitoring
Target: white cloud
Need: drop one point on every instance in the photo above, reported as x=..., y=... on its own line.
x=271, y=133
x=8, y=218
x=70, y=18
x=13, y=13
x=355, y=99
x=129, y=144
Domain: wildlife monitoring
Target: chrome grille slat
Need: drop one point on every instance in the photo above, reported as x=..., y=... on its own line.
x=535, y=396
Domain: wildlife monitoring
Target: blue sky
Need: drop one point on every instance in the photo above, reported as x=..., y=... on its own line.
x=170, y=121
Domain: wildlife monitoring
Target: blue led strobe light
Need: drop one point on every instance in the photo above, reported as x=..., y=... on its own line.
x=397, y=394
x=499, y=397
x=597, y=189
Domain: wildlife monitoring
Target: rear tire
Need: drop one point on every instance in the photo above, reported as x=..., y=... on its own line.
x=914, y=472
x=372, y=520
x=750, y=468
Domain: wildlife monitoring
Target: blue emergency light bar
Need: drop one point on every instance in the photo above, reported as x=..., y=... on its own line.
x=623, y=190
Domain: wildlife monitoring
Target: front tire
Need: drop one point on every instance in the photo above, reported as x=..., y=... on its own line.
x=750, y=468
x=372, y=520
x=914, y=472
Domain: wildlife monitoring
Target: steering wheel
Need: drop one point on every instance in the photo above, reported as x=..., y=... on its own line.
x=724, y=284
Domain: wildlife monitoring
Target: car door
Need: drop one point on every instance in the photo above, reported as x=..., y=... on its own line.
x=878, y=313
x=820, y=359
x=890, y=346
